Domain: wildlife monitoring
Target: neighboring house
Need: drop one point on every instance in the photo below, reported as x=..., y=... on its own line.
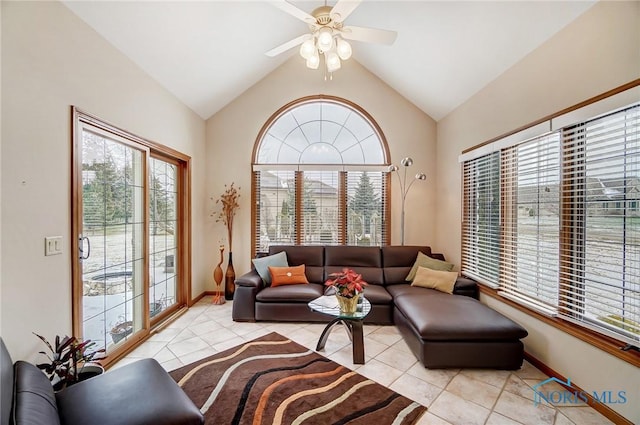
x=604, y=197
x=277, y=215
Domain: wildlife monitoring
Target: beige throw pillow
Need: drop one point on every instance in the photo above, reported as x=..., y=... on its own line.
x=435, y=279
x=423, y=260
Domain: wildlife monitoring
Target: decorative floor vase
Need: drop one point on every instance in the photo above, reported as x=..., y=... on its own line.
x=348, y=305
x=218, y=297
x=229, y=279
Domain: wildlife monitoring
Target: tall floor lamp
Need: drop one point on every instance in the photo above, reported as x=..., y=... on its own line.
x=404, y=188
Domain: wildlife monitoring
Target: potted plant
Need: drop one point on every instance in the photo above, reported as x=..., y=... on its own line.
x=70, y=361
x=348, y=285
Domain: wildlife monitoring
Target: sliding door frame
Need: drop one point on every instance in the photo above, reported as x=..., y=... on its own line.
x=183, y=231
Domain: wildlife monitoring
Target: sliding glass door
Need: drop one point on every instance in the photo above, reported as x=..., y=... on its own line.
x=112, y=241
x=131, y=247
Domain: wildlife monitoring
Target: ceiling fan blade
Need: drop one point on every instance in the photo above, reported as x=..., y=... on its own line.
x=343, y=9
x=288, y=45
x=369, y=35
x=287, y=7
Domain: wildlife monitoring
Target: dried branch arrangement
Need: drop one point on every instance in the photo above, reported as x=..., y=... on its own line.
x=229, y=201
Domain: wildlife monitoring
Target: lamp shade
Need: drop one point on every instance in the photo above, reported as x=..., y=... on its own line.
x=307, y=49
x=333, y=61
x=325, y=39
x=344, y=49
x=407, y=162
x=314, y=60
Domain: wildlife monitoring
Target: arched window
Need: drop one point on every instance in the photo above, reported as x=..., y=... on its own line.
x=320, y=177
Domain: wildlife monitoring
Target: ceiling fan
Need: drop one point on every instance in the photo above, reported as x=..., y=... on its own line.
x=328, y=35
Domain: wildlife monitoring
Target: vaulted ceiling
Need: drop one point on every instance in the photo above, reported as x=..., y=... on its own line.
x=208, y=52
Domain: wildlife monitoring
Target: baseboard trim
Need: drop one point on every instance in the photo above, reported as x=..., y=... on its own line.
x=201, y=296
x=605, y=410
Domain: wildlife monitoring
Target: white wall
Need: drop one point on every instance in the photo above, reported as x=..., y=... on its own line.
x=51, y=60
x=232, y=132
x=598, y=52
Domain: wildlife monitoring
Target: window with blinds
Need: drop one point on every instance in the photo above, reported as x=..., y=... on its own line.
x=275, y=213
x=531, y=224
x=366, y=199
x=600, y=283
x=320, y=177
x=553, y=222
x=481, y=219
x=319, y=212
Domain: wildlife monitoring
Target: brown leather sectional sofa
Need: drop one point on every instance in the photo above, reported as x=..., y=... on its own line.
x=442, y=330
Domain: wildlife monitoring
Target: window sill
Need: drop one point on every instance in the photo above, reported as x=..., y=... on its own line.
x=603, y=342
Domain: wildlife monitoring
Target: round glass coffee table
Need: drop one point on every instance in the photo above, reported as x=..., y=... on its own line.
x=352, y=322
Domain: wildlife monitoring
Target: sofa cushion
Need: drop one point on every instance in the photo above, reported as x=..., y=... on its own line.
x=398, y=260
x=287, y=275
x=353, y=256
x=423, y=260
x=34, y=401
x=139, y=393
x=311, y=256
x=365, y=260
x=437, y=316
x=371, y=275
x=262, y=265
x=291, y=293
x=377, y=294
x=435, y=279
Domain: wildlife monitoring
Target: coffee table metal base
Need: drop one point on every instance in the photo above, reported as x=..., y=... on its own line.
x=354, y=330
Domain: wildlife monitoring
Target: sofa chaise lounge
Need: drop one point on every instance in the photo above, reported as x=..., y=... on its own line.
x=443, y=330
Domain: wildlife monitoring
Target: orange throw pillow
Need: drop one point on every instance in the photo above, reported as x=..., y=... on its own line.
x=287, y=275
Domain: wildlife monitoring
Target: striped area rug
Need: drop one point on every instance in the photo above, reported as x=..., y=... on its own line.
x=272, y=380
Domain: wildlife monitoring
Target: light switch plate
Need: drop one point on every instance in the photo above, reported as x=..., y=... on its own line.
x=53, y=245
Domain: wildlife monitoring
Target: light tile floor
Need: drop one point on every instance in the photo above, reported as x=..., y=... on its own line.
x=453, y=396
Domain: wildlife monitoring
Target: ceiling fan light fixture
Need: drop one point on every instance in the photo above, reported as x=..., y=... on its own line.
x=343, y=48
x=325, y=39
x=333, y=61
x=307, y=49
x=313, y=61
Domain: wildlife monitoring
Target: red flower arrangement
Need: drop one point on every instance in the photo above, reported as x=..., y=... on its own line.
x=347, y=283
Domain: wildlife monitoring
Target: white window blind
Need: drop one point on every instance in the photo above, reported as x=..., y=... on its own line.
x=531, y=222
x=320, y=215
x=553, y=222
x=481, y=219
x=328, y=208
x=600, y=285
x=366, y=198
x=275, y=212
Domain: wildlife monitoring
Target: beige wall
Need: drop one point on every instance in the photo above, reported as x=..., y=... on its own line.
x=232, y=132
x=598, y=52
x=51, y=60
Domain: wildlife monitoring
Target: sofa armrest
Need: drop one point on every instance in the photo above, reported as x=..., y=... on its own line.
x=244, y=299
x=250, y=279
x=467, y=287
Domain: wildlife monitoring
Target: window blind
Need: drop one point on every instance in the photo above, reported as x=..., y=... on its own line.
x=275, y=213
x=366, y=198
x=600, y=283
x=316, y=207
x=481, y=219
x=320, y=213
x=553, y=222
x=531, y=225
